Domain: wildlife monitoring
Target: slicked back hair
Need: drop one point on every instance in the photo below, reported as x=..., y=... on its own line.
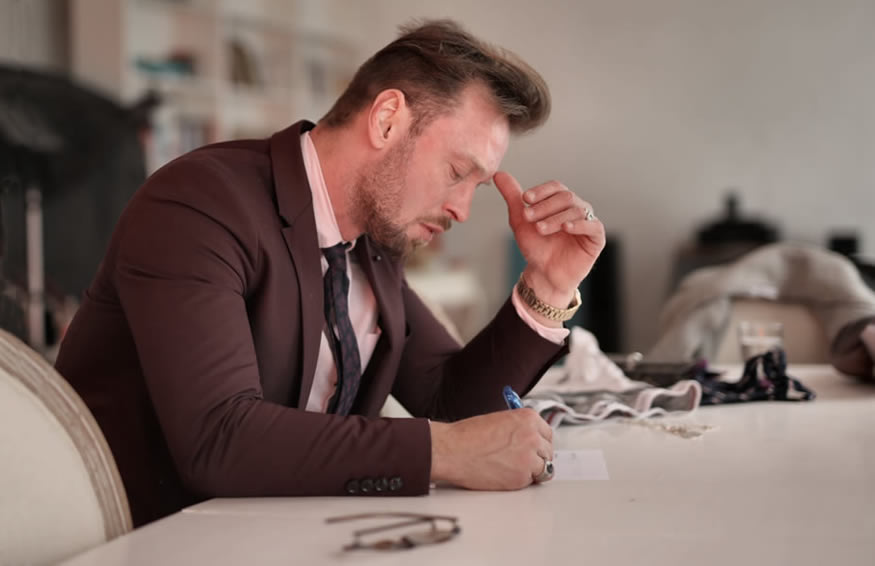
x=432, y=63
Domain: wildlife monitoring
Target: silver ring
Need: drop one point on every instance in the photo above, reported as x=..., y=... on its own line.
x=547, y=473
x=589, y=215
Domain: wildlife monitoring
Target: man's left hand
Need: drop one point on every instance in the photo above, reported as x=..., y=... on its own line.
x=559, y=243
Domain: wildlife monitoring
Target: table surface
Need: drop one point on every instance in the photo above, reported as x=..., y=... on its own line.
x=769, y=483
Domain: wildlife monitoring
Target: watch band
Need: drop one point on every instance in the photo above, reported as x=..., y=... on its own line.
x=547, y=311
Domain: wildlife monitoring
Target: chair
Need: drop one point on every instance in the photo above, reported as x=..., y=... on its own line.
x=60, y=490
x=805, y=340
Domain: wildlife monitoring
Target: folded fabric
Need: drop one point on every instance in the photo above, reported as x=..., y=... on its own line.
x=590, y=387
x=596, y=406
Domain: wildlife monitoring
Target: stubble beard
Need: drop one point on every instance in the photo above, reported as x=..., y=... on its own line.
x=377, y=203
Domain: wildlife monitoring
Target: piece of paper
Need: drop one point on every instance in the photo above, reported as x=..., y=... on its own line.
x=575, y=465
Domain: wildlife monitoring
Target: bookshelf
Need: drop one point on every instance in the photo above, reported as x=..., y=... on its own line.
x=224, y=69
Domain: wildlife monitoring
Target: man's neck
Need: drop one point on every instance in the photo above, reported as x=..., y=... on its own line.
x=340, y=165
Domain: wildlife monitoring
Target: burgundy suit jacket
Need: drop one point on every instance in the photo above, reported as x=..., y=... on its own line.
x=195, y=346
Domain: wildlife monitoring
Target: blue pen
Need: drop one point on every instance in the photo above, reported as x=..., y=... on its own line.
x=514, y=402
x=511, y=398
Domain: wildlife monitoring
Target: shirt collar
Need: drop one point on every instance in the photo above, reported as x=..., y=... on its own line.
x=327, y=230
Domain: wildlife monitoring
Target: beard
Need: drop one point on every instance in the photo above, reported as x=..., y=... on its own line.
x=377, y=204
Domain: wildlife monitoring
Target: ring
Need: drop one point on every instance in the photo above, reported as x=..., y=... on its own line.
x=547, y=474
x=589, y=215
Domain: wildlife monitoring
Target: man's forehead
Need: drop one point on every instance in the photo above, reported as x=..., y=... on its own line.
x=480, y=141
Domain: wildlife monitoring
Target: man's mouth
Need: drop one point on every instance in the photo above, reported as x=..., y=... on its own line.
x=433, y=228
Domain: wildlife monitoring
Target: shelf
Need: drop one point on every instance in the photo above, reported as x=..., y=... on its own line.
x=255, y=94
x=175, y=87
x=238, y=67
x=183, y=8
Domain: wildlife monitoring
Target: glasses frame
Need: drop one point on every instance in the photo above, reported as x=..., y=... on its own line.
x=436, y=535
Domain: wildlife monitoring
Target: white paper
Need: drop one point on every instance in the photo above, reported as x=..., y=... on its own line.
x=575, y=465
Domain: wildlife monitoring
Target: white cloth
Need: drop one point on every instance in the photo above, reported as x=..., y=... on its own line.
x=590, y=387
x=694, y=320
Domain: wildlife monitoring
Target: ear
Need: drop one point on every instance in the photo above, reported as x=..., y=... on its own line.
x=389, y=118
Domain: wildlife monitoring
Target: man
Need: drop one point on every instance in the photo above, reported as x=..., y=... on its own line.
x=224, y=355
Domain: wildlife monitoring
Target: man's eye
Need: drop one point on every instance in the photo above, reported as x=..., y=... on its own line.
x=454, y=175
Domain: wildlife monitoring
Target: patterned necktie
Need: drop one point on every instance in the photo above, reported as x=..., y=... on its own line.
x=341, y=335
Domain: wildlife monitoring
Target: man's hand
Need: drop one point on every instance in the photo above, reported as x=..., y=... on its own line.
x=560, y=245
x=497, y=451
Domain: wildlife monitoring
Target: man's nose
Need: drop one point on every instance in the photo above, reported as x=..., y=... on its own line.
x=458, y=205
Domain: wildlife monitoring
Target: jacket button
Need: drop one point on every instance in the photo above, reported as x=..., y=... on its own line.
x=352, y=487
x=366, y=486
x=381, y=485
x=395, y=484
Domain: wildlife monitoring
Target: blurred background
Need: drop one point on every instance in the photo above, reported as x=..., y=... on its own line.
x=699, y=129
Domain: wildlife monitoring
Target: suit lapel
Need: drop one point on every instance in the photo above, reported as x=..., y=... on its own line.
x=295, y=205
x=307, y=266
x=385, y=279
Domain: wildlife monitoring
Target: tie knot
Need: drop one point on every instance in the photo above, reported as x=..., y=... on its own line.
x=336, y=256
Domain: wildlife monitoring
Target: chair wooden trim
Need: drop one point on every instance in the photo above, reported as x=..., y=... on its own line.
x=38, y=376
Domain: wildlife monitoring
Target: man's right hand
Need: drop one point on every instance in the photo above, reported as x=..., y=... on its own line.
x=498, y=451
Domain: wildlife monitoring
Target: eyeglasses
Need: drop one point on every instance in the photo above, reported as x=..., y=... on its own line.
x=440, y=529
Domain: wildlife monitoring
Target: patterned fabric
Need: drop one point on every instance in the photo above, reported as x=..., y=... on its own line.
x=765, y=379
x=341, y=334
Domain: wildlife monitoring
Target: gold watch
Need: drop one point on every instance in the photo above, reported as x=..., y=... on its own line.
x=547, y=311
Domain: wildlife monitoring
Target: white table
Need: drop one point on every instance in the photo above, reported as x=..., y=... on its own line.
x=772, y=483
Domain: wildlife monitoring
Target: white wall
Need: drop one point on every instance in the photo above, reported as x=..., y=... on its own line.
x=659, y=106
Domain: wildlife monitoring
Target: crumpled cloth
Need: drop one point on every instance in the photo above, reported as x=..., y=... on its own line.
x=590, y=387
x=694, y=320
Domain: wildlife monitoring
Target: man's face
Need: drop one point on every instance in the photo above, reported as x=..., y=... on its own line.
x=422, y=185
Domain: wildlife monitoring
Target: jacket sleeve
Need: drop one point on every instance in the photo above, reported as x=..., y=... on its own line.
x=440, y=380
x=182, y=273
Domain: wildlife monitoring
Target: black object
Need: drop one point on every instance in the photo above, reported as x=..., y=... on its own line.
x=765, y=378
x=83, y=152
x=845, y=243
x=732, y=228
x=661, y=374
x=54, y=130
x=601, y=294
x=11, y=307
x=721, y=241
